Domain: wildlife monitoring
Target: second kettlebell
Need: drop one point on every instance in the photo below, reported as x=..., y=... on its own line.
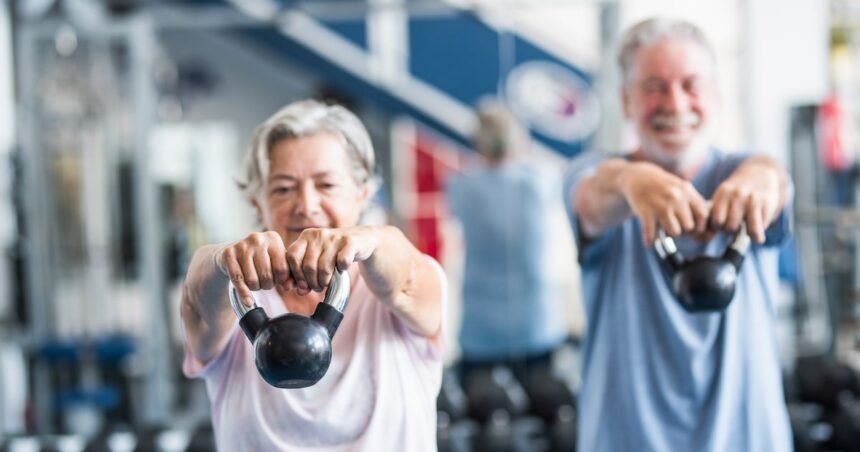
x=704, y=283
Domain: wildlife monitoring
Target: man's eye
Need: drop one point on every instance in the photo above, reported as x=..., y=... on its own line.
x=652, y=87
x=281, y=190
x=692, y=86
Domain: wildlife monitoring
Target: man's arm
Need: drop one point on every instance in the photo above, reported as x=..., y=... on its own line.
x=756, y=192
x=619, y=189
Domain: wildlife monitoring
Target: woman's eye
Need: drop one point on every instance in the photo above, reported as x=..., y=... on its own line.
x=281, y=190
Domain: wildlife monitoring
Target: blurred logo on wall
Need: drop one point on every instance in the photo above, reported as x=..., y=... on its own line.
x=553, y=100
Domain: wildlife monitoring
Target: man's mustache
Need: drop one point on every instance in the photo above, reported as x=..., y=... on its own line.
x=675, y=120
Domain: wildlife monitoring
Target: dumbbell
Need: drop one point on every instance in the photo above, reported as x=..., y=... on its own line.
x=492, y=390
x=114, y=437
x=553, y=400
x=809, y=430
x=846, y=426
x=501, y=433
x=113, y=353
x=46, y=443
x=147, y=439
x=452, y=399
x=547, y=394
x=455, y=436
x=821, y=379
x=202, y=439
x=20, y=442
x=563, y=431
x=99, y=443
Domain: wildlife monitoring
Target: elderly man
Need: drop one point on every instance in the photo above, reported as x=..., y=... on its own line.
x=656, y=376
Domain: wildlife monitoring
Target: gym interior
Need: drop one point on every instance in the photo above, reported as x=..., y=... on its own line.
x=123, y=125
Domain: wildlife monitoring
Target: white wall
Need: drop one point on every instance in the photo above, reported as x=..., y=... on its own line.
x=786, y=63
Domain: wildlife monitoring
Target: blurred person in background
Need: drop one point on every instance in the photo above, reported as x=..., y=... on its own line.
x=308, y=174
x=656, y=377
x=503, y=203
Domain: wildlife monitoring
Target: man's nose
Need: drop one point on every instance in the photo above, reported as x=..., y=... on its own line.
x=677, y=99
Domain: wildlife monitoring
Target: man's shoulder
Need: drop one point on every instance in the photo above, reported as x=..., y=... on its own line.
x=722, y=162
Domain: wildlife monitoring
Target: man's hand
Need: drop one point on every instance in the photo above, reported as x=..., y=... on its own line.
x=662, y=199
x=755, y=193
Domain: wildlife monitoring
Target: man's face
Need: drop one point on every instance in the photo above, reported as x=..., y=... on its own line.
x=671, y=97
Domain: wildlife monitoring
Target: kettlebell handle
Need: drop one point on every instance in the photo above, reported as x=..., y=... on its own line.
x=741, y=242
x=336, y=296
x=667, y=249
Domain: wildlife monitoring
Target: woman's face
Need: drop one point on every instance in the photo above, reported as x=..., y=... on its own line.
x=310, y=185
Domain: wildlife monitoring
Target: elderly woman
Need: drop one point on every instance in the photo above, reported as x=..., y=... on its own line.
x=308, y=175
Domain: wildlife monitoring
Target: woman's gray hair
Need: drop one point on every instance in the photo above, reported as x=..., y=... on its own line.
x=305, y=118
x=652, y=31
x=500, y=133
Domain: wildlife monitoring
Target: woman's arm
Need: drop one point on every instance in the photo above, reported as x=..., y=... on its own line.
x=205, y=310
x=394, y=270
x=253, y=263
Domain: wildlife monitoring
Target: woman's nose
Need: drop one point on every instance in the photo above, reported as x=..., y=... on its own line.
x=309, y=200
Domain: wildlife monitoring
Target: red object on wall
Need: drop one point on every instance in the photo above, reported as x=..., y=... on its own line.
x=426, y=179
x=832, y=146
x=433, y=162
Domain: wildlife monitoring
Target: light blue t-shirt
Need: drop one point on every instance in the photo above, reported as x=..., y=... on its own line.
x=657, y=378
x=507, y=290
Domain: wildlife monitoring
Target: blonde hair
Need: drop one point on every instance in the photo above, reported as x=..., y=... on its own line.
x=500, y=134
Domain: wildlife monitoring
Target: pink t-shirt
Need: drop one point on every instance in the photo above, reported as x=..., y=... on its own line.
x=379, y=393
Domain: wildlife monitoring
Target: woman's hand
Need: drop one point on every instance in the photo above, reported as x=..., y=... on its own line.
x=314, y=256
x=261, y=261
x=398, y=274
x=256, y=262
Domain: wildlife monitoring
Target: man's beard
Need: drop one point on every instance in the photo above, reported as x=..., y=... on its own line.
x=677, y=161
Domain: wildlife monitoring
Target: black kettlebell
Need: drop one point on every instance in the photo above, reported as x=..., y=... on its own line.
x=292, y=350
x=704, y=283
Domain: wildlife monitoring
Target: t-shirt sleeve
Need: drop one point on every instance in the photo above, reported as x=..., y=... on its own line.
x=429, y=348
x=193, y=368
x=579, y=169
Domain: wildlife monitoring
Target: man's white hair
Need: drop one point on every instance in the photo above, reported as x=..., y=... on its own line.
x=653, y=31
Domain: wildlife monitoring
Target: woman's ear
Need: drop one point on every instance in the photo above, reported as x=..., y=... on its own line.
x=257, y=209
x=364, y=194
